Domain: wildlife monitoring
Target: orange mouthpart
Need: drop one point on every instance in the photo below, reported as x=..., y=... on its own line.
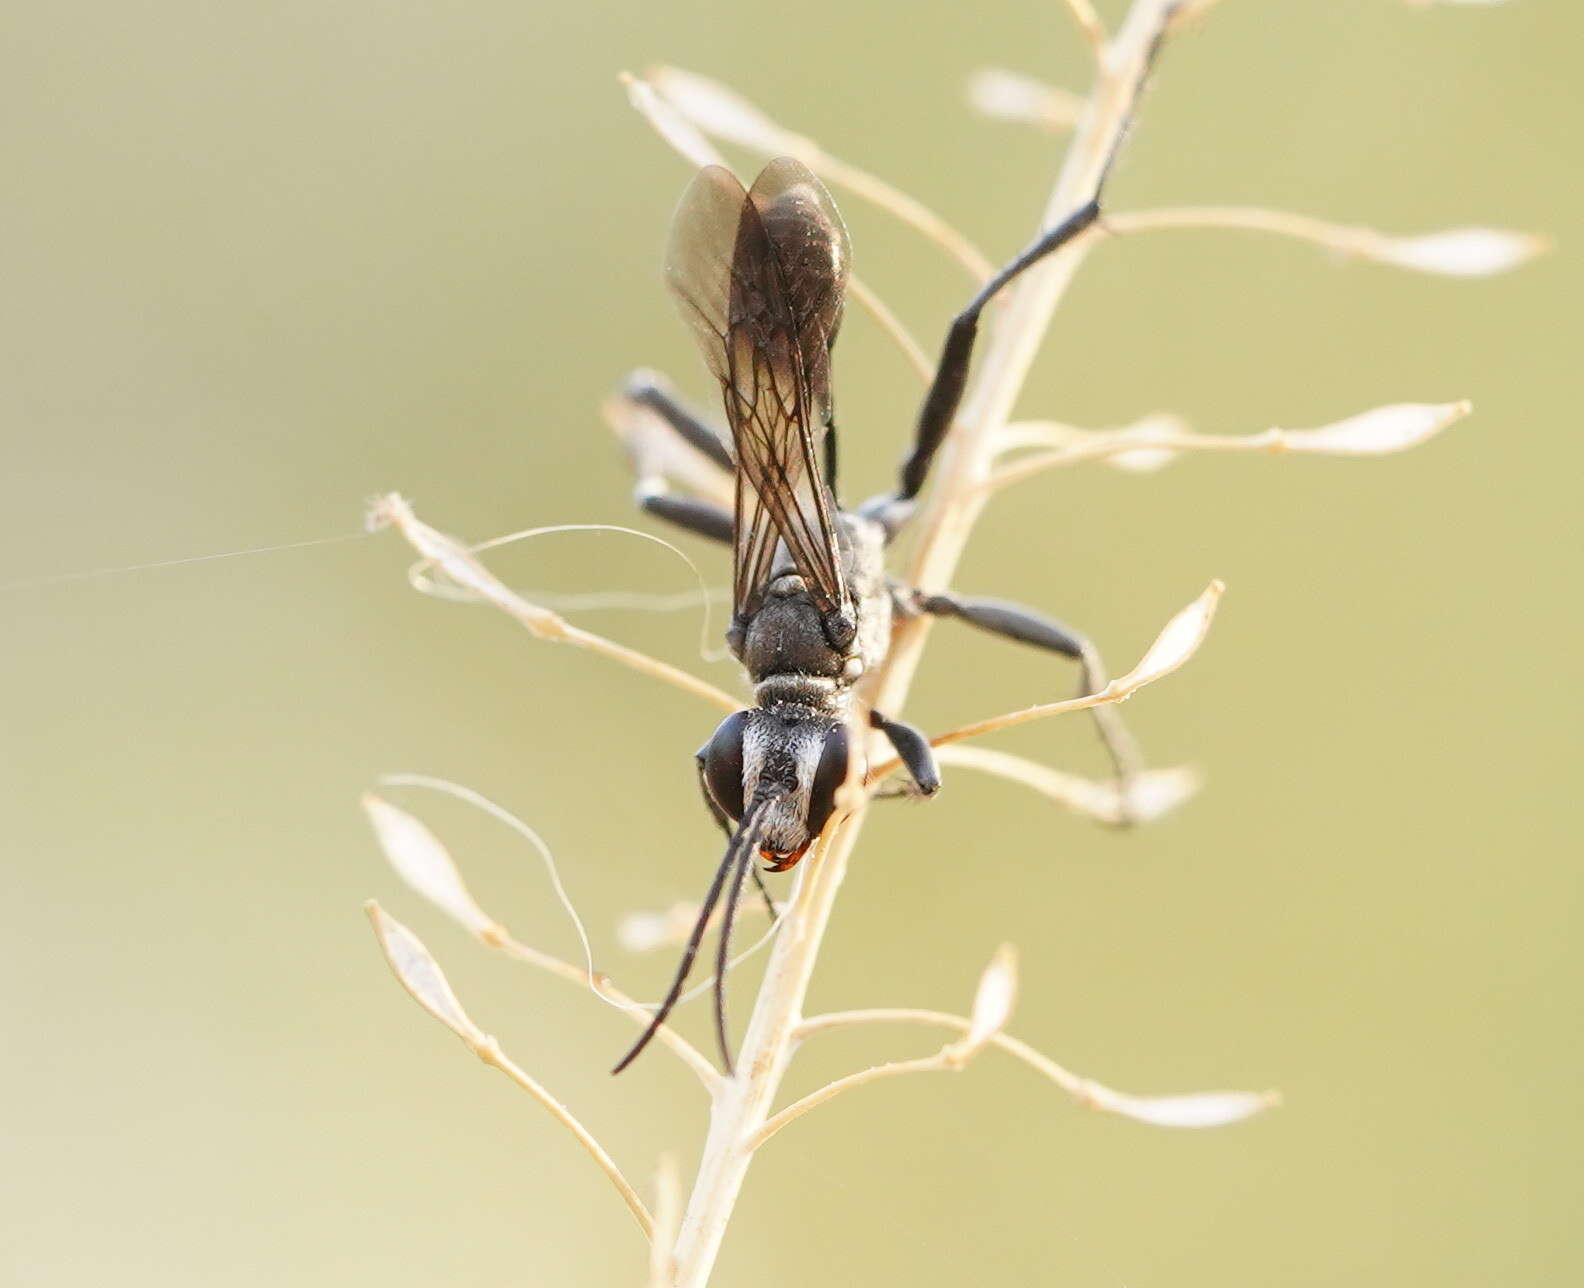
x=781, y=862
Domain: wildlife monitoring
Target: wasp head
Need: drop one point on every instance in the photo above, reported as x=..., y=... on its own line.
x=791, y=758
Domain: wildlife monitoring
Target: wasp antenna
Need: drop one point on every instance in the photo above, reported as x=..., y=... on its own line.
x=739, y=851
x=723, y=948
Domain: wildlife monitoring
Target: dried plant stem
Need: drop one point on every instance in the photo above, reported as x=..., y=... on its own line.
x=909, y=209
x=423, y=979
x=1344, y=239
x=992, y=1006
x=1010, y=96
x=459, y=563
x=1070, y=1082
x=1204, y=1109
x=743, y=1104
x=1190, y=11
x=1089, y=23
x=936, y=1063
x=1175, y=645
x=685, y=1050
x=1386, y=429
x=667, y=1213
x=491, y=1054
x=892, y=325
x=1349, y=239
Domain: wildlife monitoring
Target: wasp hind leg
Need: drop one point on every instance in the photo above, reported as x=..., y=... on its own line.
x=680, y=427
x=1015, y=622
x=945, y=393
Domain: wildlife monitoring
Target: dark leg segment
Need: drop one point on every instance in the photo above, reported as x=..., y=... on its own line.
x=913, y=749
x=646, y=391
x=702, y=518
x=1014, y=622
x=951, y=373
x=698, y=517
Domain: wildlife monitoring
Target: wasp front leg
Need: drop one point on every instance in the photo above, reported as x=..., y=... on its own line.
x=913, y=750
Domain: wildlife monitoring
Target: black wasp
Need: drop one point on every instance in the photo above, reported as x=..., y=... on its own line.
x=760, y=276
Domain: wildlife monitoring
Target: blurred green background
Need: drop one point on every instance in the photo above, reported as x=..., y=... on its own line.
x=262, y=261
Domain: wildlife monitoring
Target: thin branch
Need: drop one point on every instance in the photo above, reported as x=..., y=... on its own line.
x=718, y=110
x=1457, y=252
x=423, y=979
x=936, y=1063
x=1072, y=1083
x=1150, y=794
x=893, y=327
x=668, y=1217
x=444, y=894
x=1190, y=11
x=1004, y=95
x=992, y=1008
x=908, y=209
x=644, y=932
x=602, y=986
x=1113, y=692
x=491, y=1054
x=1089, y=23
x=457, y=562
x=502, y=815
x=1201, y=1109
x=1377, y=432
x=424, y=863
x=1023, y=434
x=1177, y=642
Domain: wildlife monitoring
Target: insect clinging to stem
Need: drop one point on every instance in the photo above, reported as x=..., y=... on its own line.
x=760, y=277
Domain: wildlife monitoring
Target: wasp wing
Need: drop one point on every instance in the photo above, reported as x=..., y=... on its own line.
x=760, y=276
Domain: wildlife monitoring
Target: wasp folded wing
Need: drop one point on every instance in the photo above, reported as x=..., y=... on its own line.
x=760, y=277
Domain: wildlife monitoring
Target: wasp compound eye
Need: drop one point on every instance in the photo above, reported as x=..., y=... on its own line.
x=722, y=759
x=828, y=776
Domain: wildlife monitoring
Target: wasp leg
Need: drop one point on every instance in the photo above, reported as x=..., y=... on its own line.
x=702, y=518
x=698, y=517
x=913, y=749
x=1014, y=622
x=646, y=390
x=720, y=817
x=951, y=372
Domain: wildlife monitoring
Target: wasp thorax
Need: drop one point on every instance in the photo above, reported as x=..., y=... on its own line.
x=787, y=584
x=786, y=636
